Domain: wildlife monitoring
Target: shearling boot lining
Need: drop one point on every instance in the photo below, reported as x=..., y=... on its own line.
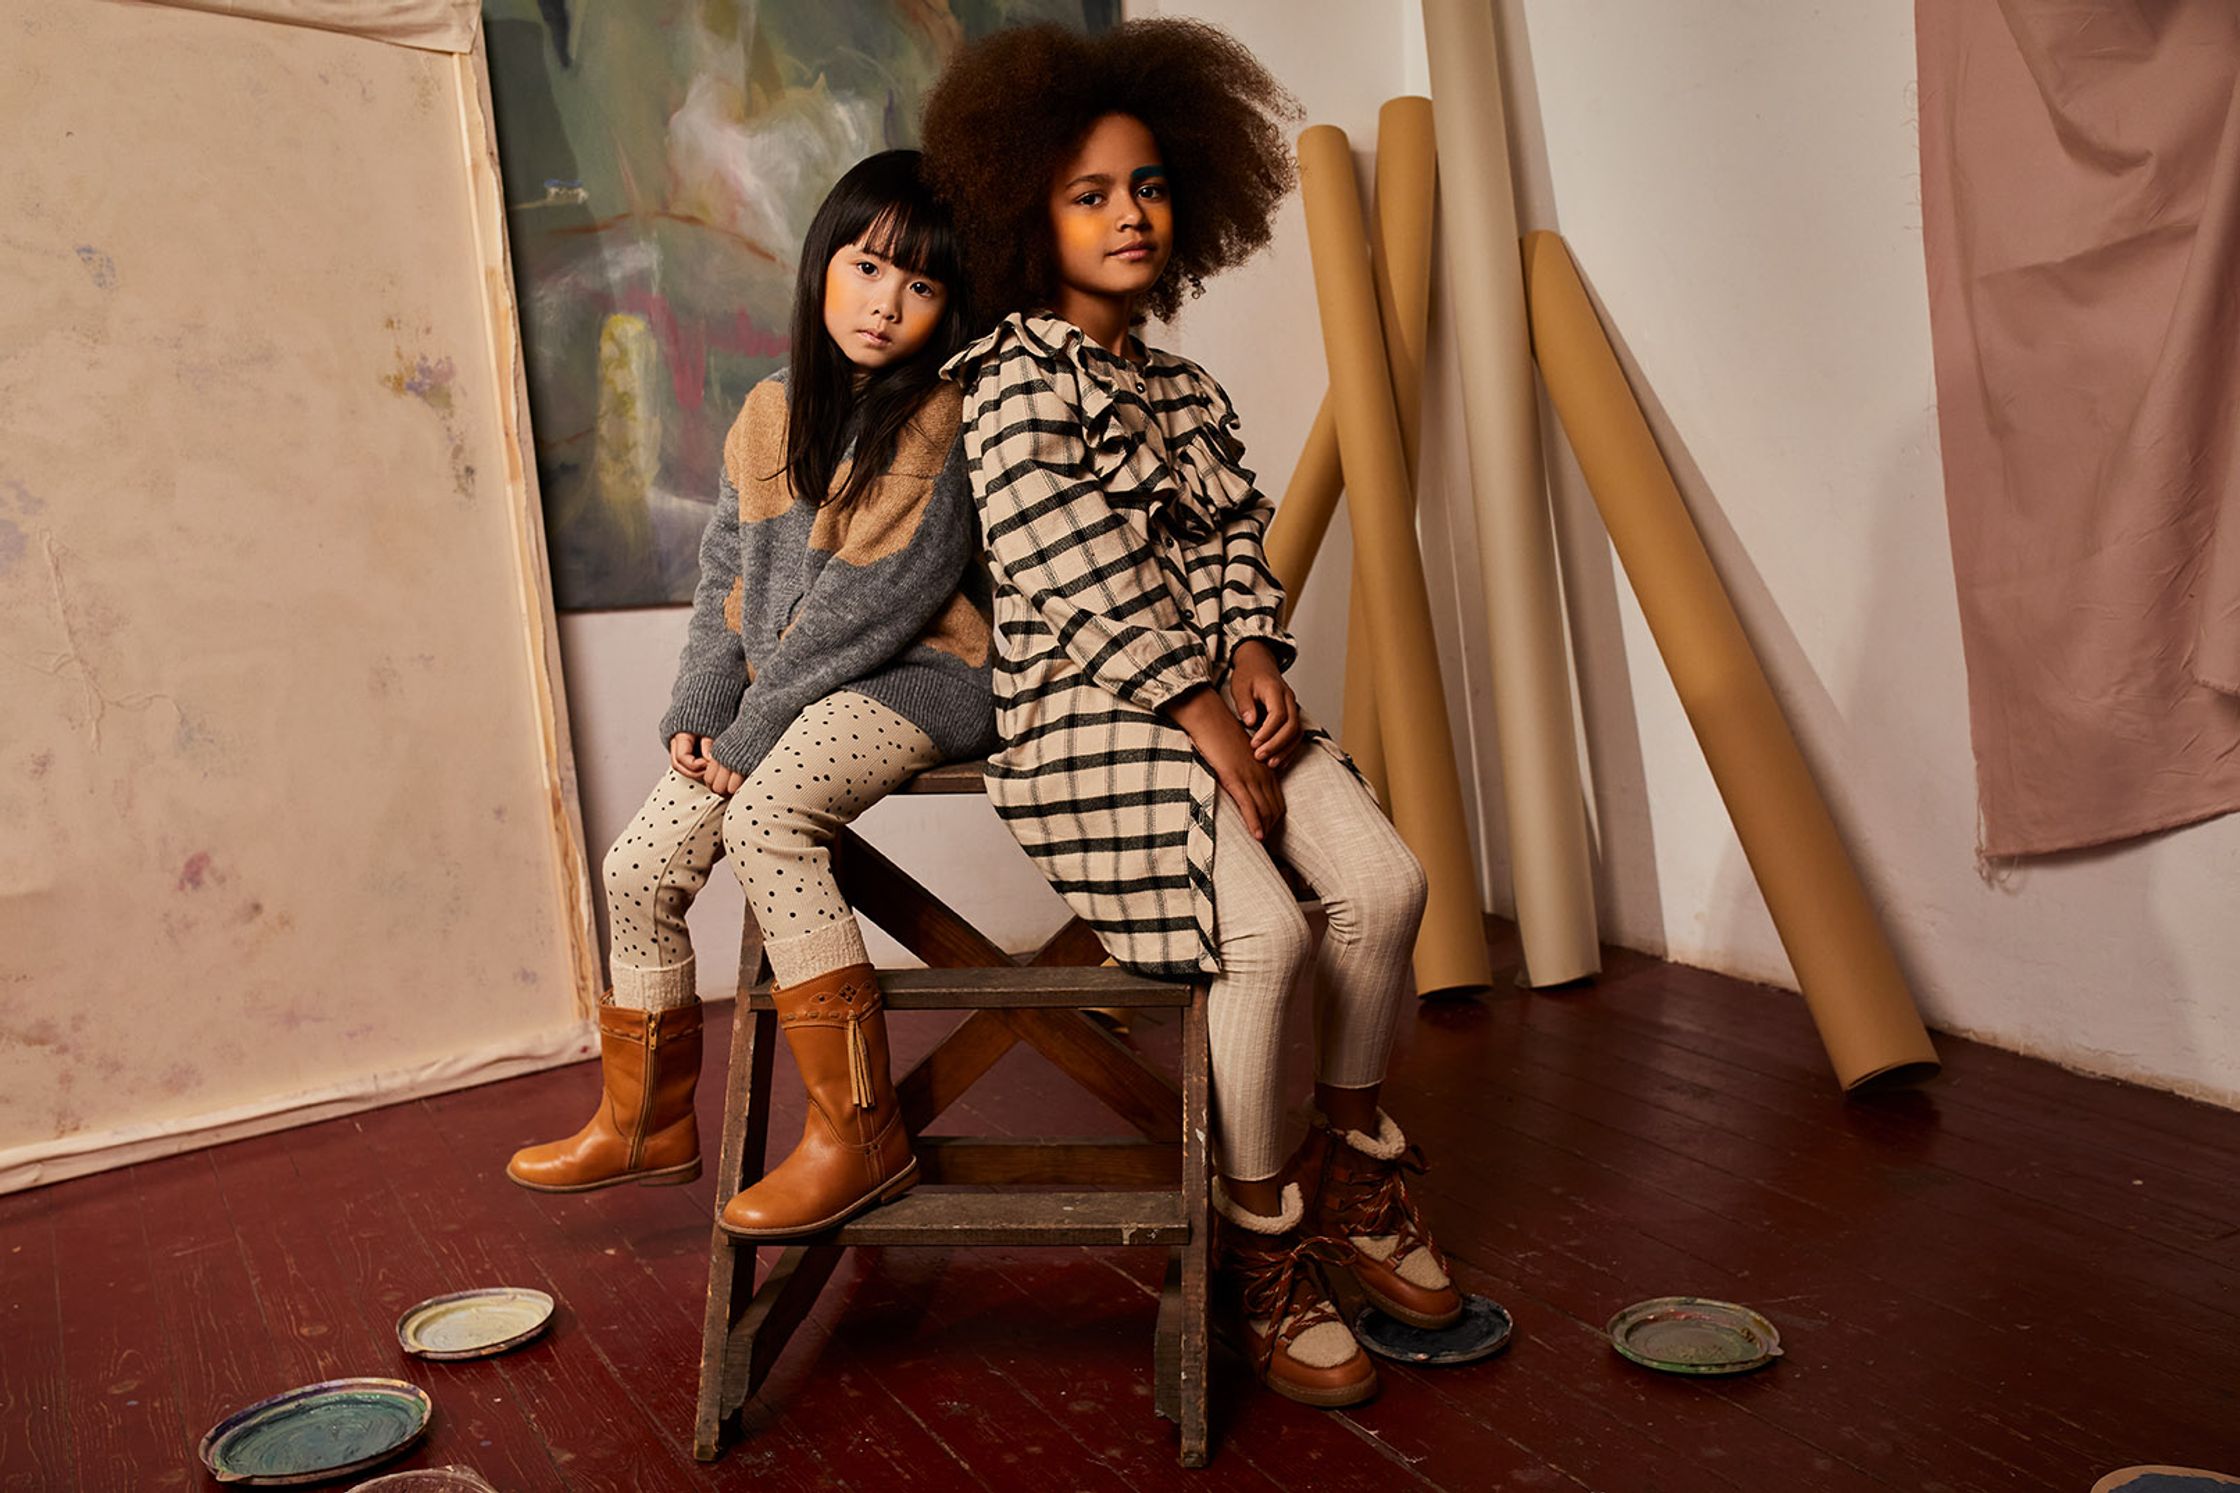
x=1294, y=1210
x=1385, y=1145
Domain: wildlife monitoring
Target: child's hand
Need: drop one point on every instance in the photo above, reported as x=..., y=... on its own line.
x=717, y=776
x=1265, y=703
x=1220, y=739
x=685, y=757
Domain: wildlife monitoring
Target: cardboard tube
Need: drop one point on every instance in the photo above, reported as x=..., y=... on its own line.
x=1401, y=265
x=1407, y=182
x=1532, y=712
x=1426, y=794
x=1400, y=262
x=1835, y=943
x=1359, y=732
x=1400, y=255
x=1303, y=517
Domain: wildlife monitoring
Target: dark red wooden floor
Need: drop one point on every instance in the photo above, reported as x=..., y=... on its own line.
x=2012, y=1278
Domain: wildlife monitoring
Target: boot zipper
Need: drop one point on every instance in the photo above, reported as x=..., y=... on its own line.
x=645, y=1092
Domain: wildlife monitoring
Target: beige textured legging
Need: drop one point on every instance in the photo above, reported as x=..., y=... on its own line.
x=1372, y=888
x=839, y=757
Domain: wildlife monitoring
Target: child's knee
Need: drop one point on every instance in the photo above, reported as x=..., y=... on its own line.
x=759, y=826
x=627, y=871
x=1272, y=940
x=1385, y=901
x=1401, y=890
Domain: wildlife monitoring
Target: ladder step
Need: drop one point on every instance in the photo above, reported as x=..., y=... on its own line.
x=949, y=777
x=1050, y=987
x=1049, y=1161
x=923, y=1217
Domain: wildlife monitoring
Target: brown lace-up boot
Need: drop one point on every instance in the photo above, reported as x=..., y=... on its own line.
x=1357, y=1194
x=1271, y=1301
x=854, y=1151
x=644, y=1129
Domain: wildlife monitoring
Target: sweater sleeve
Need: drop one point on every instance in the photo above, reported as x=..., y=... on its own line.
x=1090, y=571
x=712, y=672
x=855, y=618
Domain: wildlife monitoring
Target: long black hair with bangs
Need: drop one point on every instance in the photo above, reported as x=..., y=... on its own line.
x=882, y=205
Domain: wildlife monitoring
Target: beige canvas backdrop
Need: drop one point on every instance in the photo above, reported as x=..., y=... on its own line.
x=286, y=806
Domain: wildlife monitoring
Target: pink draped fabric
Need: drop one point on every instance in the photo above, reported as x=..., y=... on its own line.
x=2080, y=176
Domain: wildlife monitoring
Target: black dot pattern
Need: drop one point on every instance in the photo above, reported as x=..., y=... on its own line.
x=839, y=757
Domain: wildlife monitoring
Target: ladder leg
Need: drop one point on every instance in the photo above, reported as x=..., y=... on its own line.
x=740, y=1157
x=1197, y=1258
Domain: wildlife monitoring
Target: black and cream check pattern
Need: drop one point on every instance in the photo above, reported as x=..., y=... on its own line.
x=1124, y=534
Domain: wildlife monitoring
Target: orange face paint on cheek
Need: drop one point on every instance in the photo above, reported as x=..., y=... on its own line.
x=1080, y=238
x=1080, y=231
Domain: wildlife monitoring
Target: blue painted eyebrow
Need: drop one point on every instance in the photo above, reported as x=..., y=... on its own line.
x=1141, y=172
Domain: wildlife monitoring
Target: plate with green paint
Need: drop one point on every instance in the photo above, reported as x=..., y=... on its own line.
x=318, y=1432
x=1693, y=1335
x=474, y=1324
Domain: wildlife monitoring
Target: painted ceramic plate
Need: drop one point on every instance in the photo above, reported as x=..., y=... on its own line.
x=1689, y=1335
x=427, y=1480
x=2165, y=1480
x=318, y=1432
x=1480, y=1332
x=474, y=1324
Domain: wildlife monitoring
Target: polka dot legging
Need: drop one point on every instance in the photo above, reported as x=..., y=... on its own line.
x=840, y=756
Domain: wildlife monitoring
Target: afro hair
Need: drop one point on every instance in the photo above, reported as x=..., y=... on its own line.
x=1011, y=109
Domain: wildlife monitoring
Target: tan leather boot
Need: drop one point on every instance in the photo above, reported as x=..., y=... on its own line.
x=1272, y=1304
x=645, y=1129
x=1357, y=1193
x=853, y=1151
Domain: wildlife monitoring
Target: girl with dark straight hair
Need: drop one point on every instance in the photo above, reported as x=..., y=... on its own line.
x=838, y=645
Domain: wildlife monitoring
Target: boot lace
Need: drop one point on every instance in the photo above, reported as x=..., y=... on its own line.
x=1272, y=1286
x=1372, y=1200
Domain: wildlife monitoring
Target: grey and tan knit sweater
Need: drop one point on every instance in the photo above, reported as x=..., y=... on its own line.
x=888, y=598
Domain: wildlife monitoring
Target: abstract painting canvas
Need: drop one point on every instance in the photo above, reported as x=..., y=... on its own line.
x=662, y=160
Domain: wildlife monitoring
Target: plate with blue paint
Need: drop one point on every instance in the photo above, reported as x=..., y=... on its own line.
x=318, y=1432
x=1481, y=1331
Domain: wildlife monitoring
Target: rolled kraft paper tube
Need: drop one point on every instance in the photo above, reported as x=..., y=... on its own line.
x=1407, y=181
x=1426, y=795
x=1359, y=732
x=1400, y=260
x=1303, y=517
x=1835, y=943
x=1400, y=254
x=1551, y=871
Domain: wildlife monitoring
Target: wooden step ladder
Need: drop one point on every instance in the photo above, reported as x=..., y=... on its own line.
x=1119, y=1192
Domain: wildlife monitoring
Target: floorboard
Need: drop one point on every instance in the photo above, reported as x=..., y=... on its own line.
x=2011, y=1277
x=122, y=1412
x=35, y=1404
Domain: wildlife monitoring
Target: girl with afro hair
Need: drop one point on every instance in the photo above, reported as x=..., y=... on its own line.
x=1154, y=762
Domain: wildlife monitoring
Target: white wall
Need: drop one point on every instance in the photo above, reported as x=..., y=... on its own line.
x=1738, y=183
